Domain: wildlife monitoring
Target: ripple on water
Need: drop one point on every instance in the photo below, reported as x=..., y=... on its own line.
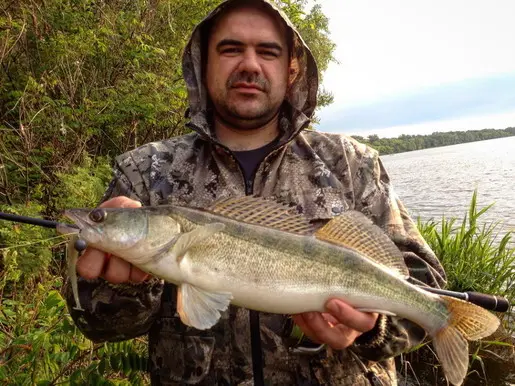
x=441, y=181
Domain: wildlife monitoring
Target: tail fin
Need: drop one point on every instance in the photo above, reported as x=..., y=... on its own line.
x=467, y=322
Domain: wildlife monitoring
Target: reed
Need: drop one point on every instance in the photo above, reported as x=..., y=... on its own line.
x=476, y=255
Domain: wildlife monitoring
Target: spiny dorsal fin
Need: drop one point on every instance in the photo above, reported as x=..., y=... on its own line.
x=260, y=211
x=354, y=230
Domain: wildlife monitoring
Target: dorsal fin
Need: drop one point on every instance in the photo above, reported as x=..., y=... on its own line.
x=354, y=230
x=260, y=211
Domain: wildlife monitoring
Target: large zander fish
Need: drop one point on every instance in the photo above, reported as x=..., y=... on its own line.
x=257, y=254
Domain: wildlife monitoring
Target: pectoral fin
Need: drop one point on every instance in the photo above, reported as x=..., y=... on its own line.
x=196, y=236
x=201, y=309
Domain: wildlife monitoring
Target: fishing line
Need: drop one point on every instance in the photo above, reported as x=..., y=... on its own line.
x=32, y=243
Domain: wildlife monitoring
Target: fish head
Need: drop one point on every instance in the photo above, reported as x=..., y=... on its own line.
x=110, y=229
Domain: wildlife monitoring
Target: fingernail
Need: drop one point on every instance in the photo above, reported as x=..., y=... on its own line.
x=309, y=316
x=333, y=307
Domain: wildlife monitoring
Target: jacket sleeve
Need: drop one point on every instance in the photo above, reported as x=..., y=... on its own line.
x=375, y=197
x=115, y=312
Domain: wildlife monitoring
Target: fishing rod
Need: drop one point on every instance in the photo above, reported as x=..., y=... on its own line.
x=487, y=301
x=35, y=221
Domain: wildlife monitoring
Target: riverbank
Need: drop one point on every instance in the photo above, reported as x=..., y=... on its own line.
x=491, y=364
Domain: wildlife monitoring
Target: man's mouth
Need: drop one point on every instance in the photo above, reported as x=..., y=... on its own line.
x=242, y=86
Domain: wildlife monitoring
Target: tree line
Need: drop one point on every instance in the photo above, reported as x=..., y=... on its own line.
x=407, y=142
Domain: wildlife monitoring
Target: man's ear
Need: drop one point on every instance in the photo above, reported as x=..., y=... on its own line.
x=293, y=72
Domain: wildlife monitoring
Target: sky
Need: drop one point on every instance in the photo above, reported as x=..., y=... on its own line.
x=419, y=66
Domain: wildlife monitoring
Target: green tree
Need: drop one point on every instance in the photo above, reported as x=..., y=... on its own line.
x=82, y=78
x=80, y=82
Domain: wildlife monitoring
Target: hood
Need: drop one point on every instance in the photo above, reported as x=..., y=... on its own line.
x=302, y=95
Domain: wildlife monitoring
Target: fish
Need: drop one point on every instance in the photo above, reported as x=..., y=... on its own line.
x=260, y=254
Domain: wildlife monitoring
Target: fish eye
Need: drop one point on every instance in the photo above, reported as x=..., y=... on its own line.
x=97, y=215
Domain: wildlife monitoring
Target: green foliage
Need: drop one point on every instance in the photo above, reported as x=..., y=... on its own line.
x=83, y=186
x=25, y=250
x=313, y=26
x=82, y=79
x=437, y=139
x=40, y=345
x=80, y=82
x=475, y=255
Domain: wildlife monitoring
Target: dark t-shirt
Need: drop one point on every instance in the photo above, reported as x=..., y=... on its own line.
x=250, y=160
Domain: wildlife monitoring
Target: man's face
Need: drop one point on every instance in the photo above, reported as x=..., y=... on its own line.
x=247, y=67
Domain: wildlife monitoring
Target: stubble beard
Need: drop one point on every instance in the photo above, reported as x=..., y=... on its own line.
x=236, y=113
x=246, y=112
x=252, y=118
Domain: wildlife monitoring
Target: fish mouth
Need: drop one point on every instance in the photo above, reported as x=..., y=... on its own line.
x=67, y=229
x=79, y=217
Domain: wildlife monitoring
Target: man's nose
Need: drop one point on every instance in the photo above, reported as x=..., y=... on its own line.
x=250, y=62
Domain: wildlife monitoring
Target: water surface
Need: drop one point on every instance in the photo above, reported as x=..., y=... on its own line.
x=441, y=181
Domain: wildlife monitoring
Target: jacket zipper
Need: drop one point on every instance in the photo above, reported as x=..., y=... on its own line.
x=255, y=331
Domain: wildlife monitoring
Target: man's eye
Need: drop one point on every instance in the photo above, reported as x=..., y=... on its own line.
x=232, y=50
x=269, y=54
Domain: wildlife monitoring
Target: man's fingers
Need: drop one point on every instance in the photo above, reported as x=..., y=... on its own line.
x=338, y=328
x=118, y=270
x=91, y=264
x=330, y=319
x=337, y=338
x=137, y=275
x=120, y=202
x=350, y=317
x=317, y=329
x=300, y=320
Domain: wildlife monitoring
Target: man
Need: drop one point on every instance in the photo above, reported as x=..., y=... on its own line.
x=252, y=87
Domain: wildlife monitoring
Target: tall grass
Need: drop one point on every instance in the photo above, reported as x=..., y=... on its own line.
x=475, y=254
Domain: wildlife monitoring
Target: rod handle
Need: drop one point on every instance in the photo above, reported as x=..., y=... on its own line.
x=490, y=302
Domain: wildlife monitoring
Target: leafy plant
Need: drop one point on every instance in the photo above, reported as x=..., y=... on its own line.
x=40, y=344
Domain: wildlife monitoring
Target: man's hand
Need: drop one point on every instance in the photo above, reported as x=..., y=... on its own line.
x=339, y=327
x=94, y=263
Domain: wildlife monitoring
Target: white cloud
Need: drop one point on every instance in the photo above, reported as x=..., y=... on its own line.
x=389, y=47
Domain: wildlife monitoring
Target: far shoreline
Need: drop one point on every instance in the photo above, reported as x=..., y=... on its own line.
x=408, y=143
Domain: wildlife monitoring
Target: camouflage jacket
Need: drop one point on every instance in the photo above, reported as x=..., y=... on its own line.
x=320, y=174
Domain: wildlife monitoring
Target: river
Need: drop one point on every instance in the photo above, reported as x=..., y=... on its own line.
x=441, y=181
